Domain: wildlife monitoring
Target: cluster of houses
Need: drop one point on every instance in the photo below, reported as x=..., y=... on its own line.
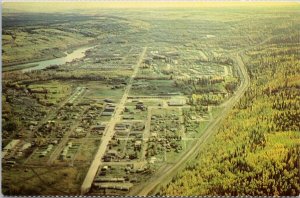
x=99, y=129
x=117, y=150
x=14, y=150
x=109, y=108
x=122, y=129
x=112, y=184
x=69, y=151
x=167, y=57
x=118, y=177
x=45, y=150
x=130, y=112
x=88, y=121
x=165, y=126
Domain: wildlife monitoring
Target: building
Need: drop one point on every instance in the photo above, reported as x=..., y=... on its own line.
x=100, y=127
x=25, y=146
x=122, y=127
x=115, y=186
x=138, y=144
x=176, y=102
x=9, y=147
x=128, y=117
x=108, y=100
x=140, y=106
x=109, y=109
x=107, y=113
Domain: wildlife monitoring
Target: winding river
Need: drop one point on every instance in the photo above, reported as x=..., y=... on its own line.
x=76, y=54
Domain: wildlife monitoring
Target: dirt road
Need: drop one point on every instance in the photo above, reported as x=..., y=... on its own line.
x=109, y=132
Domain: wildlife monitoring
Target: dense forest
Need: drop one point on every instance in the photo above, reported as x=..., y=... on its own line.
x=256, y=150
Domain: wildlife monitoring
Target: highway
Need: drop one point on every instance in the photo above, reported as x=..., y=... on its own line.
x=166, y=173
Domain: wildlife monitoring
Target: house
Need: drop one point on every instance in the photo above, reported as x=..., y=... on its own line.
x=34, y=123
x=176, y=102
x=157, y=56
x=122, y=127
x=109, y=109
x=138, y=126
x=152, y=160
x=107, y=113
x=148, y=61
x=140, y=106
x=138, y=144
x=64, y=154
x=127, y=117
x=153, y=134
x=79, y=130
x=49, y=148
x=9, y=147
x=99, y=127
x=115, y=186
x=111, y=155
x=108, y=100
x=25, y=146
x=43, y=154
x=110, y=179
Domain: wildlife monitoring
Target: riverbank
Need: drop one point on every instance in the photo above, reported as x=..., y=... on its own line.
x=48, y=57
x=71, y=54
x=62, y=52
x=17, y=67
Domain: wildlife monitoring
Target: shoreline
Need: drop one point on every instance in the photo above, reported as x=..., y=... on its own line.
x=32, y=61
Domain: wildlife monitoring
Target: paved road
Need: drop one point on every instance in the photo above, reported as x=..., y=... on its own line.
x=167, y=172
x=109, y=132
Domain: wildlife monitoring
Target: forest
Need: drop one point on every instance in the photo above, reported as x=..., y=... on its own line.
x=256, y=150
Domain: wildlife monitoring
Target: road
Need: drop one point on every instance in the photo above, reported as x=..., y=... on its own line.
x=53, y=112
x=167, y=172
x=50, y=116
x=61, y=145
x=109, y=132
x=54, y=156
x=146, y=134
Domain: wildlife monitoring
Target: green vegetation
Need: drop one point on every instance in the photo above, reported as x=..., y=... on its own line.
x=153, y=89
x=49, y=93
x=256, y=150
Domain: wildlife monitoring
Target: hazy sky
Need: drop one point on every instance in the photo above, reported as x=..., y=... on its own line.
x=65, y=6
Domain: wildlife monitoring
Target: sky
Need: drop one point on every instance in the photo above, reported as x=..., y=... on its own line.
x=59, y=6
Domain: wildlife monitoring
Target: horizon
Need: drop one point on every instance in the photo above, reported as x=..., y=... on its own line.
x=59, y=6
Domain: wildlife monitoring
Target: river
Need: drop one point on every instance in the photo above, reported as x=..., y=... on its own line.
x=76, y=54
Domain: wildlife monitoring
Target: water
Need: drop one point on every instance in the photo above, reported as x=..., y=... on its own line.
x=76, y=54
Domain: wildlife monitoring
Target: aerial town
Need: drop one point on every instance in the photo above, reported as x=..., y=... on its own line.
x=114, y=103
